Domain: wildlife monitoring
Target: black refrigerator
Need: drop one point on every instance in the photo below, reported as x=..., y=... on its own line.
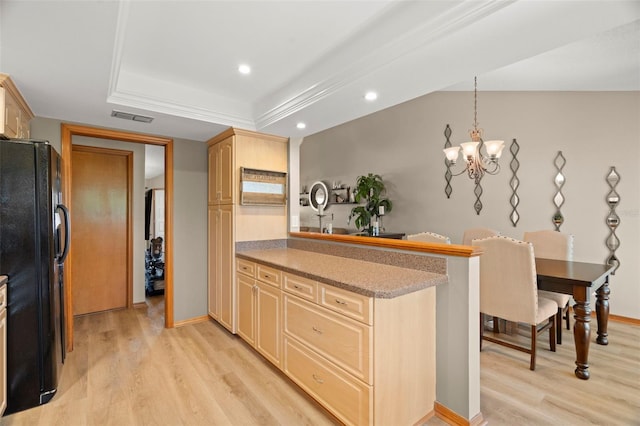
x=34, y=241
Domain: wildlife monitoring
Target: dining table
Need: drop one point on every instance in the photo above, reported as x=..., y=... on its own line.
x=580, y=280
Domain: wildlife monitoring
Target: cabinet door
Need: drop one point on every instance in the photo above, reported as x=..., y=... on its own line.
x=213, y=270
x=11, y=114
x=213, y=168
x=246, y=294
x=225, y=176
x=268, y=324
x=226, y=260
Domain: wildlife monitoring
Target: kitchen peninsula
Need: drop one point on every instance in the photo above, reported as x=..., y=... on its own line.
x=351, y=320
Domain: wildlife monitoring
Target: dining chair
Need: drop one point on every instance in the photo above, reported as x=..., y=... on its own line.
x=476, y=234
x=508, y=290
x=549, y=244
x=429, y=237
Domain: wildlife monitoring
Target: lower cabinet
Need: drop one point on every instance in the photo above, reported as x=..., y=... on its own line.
x=259, y=309
x=368, y=361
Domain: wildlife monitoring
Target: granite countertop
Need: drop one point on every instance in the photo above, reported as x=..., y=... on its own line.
x=367, y=278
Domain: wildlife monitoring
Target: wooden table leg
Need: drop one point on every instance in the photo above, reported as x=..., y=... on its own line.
x=582, y=331
x=602, y=312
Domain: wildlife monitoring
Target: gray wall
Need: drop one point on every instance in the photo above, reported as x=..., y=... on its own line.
x=189, y=222
x=594, y=130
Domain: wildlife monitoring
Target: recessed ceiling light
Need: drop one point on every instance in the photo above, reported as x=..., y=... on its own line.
x=244, y=69
x=301, y=125
x=371, y=96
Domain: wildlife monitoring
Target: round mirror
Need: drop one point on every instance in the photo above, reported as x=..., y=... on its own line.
x=318, y=195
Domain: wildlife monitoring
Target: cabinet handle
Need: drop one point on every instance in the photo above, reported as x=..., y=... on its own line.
x=267, y=276
x=297, y=287
x=317, y=378
x=341, y=302
x=317, y=330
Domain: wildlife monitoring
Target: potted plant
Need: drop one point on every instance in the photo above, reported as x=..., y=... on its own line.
x=369, y=189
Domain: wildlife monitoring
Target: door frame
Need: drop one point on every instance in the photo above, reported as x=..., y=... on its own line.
x=67, y=133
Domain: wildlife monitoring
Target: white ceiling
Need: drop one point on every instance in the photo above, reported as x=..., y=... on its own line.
x=312, y=61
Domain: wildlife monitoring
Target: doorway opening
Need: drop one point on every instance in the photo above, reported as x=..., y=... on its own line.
x=68, y=132
x=154, y=263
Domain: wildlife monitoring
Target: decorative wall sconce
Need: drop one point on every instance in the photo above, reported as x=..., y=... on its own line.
x=558, y=199
x=613, y=220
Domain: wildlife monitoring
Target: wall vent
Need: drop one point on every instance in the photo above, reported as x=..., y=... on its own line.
x=132, y=117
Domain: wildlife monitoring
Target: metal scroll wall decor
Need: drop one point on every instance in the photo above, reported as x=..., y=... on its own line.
x=514, y=183
x=559, y=181
x=447, y=175
x=613, y=220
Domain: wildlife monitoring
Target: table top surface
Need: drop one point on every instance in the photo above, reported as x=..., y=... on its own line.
x=571, y=271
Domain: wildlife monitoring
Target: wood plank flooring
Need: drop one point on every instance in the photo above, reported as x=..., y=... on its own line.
x=127, y=369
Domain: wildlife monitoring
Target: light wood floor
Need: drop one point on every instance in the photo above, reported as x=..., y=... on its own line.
x=127, y=369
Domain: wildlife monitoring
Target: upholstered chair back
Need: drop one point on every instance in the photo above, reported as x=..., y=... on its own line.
x=477, y=233
x=551, y=244
x=508, y=286
x=429, y=237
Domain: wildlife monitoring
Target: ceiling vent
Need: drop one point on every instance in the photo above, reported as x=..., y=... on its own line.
x=132, y=117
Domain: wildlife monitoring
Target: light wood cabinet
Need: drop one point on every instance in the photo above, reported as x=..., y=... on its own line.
x=221, y=176
x=14, y=122
x=230, y=222
x=259, y=309
x=369, y=361
x=221, y=244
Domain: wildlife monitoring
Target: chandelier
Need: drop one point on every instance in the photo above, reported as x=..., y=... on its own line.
x=477, y=163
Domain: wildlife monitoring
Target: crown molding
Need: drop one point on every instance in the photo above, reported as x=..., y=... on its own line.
x=407, y=41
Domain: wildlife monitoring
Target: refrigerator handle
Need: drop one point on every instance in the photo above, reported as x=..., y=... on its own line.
x=67, y=232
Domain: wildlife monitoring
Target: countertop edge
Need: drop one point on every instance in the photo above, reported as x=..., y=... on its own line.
x=438, y=279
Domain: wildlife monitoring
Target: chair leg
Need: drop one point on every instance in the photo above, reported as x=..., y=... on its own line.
x=559, y=329
x=566, y=315
x=496, y=325
x=552, y=332
x=534, y=334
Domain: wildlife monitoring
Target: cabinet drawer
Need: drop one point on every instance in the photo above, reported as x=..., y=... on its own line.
x=346, y=397
x=246, y=267
x=3, y=297
x=346, y=342
x=300, y=286
x=351, y=304
x=269, y=275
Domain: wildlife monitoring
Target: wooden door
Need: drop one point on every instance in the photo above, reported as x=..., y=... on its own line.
x=100, y=219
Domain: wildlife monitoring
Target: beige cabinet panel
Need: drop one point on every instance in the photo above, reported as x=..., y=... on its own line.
x=350, y=399
x=300, y=286
x=213, y=289
x=259, y=310
x=226, y=259
x=221, y=172
x=351, y=304
x=16, y=114
x=269, y=275
x=345, y=342
x=268, y=323
x=221, y=286
x=246, y=294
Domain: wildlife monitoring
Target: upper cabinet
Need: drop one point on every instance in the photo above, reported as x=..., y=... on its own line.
x=221, y=172
x=14, y=123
